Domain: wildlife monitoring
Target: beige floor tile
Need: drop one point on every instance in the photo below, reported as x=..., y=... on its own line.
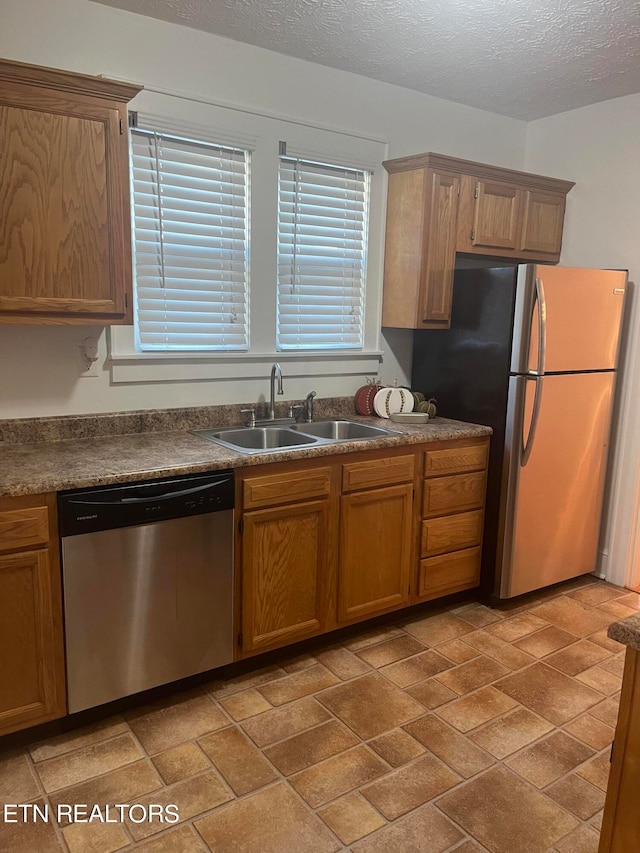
x=596, y=821
x=87, y=735
x=581, y=840
x=479, y=616
x=298, y=685
x=351, y=818
x=572, y=616
x=591, y=731
x=94, y=760
x=614, y=664
x=577, y=796
x=367, y=638
x=472, y=675
x=180, y=762
x=454, y=749
x=600, y=637
x=597, y=594
x=248, y=703
x=338, y=775
x=241, y=764
x=191, y=796
x=96, y=837
x=397, y=747
x=476, y=709
x=370, y=705
x=418, y=668
x=175, y=720
x=410, y=834
x=578, y=657
x=505, y=653
x=517, y=627
x=470, y=846
x=517, y=729
x=125, y=785
x=255, y=678
x=412, y=786
x=601, y=680
x=431, y=693
x=620, y=611
x=298, y=663
x=182, y=840
x=458, y=651
x=545, y=642
x=606, y=711
x=282, y=723
x=18, y=783
x=310, y=747
x=549, y=693
x=38, y=837
x=549, y=759
x=528, y=820
x=597, y=771
x=433, y=630
x=342, y=662
x=271, y=821
x=390, y=651
x=630, y=599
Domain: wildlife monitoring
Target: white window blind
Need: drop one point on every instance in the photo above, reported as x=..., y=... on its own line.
x=322, y=255
x=191, y=222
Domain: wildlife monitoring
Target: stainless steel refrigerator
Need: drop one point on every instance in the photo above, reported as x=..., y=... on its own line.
x=532, y=352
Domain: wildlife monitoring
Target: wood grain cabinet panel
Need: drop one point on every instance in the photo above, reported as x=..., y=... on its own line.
x=32, y=683
x=284, y=574
x=377, y=472
x=451, y=533
x=65, y=221
x=456, y=460
x=457, y=493
x=449, y=573
x=375, y=551
x=274, y=489
x=496, y=215
x=542, y=220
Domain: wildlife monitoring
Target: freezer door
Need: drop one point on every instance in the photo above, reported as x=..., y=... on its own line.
x=567, y=319
x=553, y=493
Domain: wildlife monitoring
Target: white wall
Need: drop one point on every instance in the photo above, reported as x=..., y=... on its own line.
x=38, y=365
x=599, y=148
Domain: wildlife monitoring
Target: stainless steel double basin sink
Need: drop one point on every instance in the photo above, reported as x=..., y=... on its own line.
x=265, y=439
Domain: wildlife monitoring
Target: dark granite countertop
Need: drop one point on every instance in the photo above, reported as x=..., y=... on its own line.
x=78, y=462
x=626, y=631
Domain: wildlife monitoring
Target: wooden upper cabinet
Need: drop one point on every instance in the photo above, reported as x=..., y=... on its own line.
x=439, y=206
x=65, y=218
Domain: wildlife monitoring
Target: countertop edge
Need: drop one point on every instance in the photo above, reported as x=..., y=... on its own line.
x=626, y=631
x=212, y=456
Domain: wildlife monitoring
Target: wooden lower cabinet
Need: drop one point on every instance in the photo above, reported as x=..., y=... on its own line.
x=32, y=683
x=285, y=568
x=375, y=551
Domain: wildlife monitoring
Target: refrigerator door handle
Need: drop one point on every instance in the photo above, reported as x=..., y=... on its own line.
x=542, y=325
x=527, y=446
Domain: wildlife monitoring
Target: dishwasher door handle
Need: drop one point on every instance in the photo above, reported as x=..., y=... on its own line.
x=150, y=498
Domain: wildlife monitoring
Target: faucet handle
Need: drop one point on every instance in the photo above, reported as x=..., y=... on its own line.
x=251, y=420
x=296, y=408
x=309, y=406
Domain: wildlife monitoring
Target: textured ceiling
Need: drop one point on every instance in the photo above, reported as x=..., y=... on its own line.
x=522, y=58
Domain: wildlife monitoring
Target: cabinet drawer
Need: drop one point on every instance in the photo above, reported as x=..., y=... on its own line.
x=449, y=573
x=277, y=489
x=457, y=493
x=451, y=533
x=23, y=528
x=456, y=460
x=377, y=472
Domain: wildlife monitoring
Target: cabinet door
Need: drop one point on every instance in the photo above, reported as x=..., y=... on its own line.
x=65, y=242
x=375, y=551
x=439, y=262
x=285, y=574
x=32, y=688
x=543, y=217
x=496, y=212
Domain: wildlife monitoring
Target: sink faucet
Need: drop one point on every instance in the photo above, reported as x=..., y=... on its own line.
x=276, y=373
x=308, y=409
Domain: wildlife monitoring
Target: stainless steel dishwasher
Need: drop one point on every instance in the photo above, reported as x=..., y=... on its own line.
x=148, y=584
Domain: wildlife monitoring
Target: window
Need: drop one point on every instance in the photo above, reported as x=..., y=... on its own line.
x=323, y=218
x=191, y=222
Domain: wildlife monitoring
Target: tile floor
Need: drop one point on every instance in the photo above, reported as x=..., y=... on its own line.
x=468, y=730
